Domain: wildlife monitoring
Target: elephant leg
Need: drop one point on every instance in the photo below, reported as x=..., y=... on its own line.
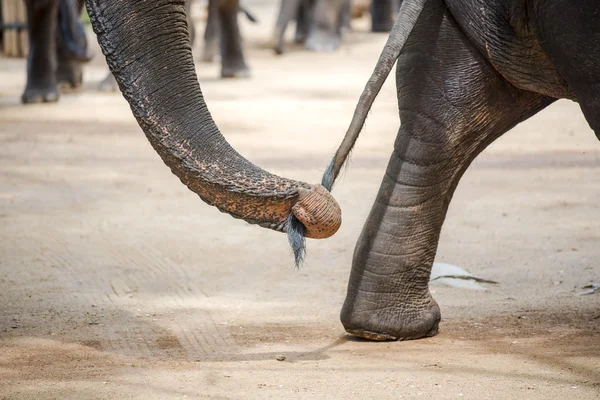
x=211, y=32
x=71, y=40
x=574, y=50
x=345, y=16
x=108, y=84
x=233, y=64
x=72, y=46
x=42, y=17
x=190, y=21
x=69, y=74
x=383, y=14
x=452, y=105
x=324, y=34
x=288, y=10
x=303, y=20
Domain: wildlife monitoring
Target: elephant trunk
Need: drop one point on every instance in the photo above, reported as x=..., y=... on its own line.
x=148, y=50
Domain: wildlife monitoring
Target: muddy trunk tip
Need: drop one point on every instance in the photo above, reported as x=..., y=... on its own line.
x=315, y=215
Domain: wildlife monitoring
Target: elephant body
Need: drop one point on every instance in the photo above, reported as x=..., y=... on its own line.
x=319, y=23
x=467, y=72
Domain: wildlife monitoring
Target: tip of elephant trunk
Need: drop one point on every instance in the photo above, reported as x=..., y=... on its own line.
x=315, y=215
x=318, y=211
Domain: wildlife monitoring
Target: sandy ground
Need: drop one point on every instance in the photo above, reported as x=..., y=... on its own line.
x=117, y=282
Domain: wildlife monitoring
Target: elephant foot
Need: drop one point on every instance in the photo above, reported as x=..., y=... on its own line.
x=237, y=69
x=277, y=42
x=69, y=75
x=108, y=84
x=394, y=322
x=321, y=41
x=300, y=37
x=34, y=95
x=209, y=51
x=279, y=47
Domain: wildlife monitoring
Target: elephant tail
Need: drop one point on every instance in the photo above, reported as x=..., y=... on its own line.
x=251, y=17
x=405, y=22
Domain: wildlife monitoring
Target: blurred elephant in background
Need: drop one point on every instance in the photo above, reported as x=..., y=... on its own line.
x=222, y=34
x=319, y=23
x=57, y=49
x=221, y=28
x=383, y=14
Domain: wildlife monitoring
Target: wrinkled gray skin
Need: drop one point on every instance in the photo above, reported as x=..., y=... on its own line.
x=319, y=23
x=468, y=71
x=109, y=83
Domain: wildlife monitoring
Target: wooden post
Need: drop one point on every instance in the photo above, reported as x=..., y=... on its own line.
x=23, y=35
x=14, y=25
x=7, y=19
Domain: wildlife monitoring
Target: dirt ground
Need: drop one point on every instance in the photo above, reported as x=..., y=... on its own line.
x=117, y=282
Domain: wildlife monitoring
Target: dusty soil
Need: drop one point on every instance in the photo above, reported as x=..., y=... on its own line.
x=116, y=282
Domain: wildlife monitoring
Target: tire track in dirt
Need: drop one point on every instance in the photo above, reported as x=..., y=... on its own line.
x=198, y=335
x=58, y=252
x=118, y=274
x=65, y=310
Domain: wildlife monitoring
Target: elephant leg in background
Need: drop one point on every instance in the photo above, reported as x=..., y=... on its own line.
x=233, y=64
x=303, y=20
x=190, y=21
x=108, y=84
x=319, y=23
x=346, y=16
x=211, y=32
x=72, y=48
x=288, y=11
x=42, y=17
x=452, y=105
x=383, y=14
x=325, y=28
